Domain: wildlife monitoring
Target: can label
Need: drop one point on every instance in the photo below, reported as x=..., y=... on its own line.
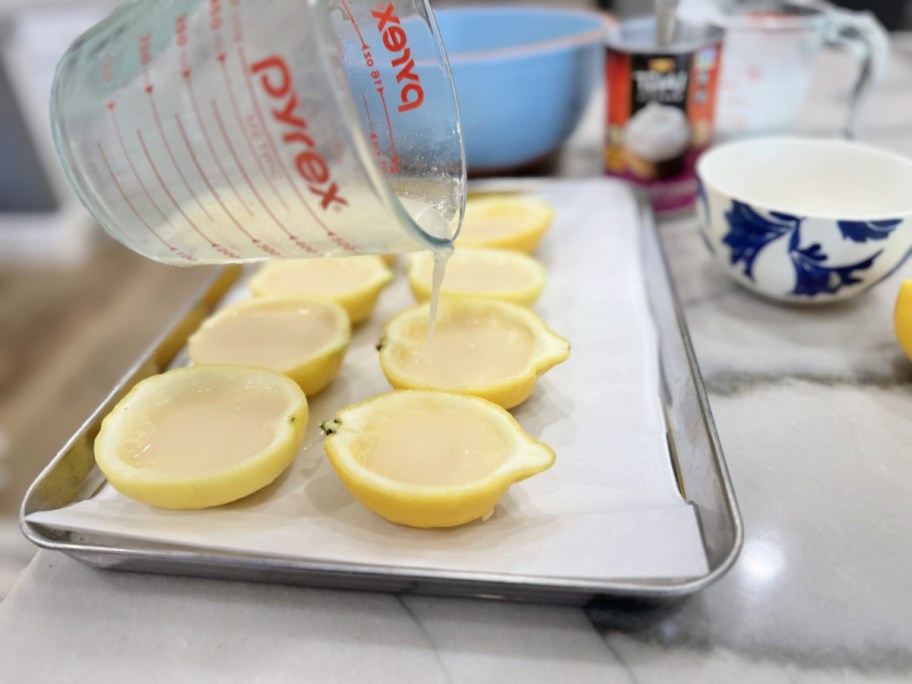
x=659, y=119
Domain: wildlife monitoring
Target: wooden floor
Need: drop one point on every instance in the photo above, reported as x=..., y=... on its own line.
x=66, y=336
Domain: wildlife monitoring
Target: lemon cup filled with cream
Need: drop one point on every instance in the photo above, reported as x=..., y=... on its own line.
x=507, y=221
x=430, y=459
x=492, y=349
x=477, y=272
x=202, y=436
x=352, y=282
x=303, y=337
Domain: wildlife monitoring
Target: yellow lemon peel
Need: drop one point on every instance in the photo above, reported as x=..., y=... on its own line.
x=424, y=483
x=352, y=282
x=902, y=317
x=491, y=349
x=488, y=273
x=304, y=337
x=202, y=436
x=516, y=222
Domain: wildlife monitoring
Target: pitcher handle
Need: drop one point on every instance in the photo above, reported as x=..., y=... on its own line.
x=868, y=40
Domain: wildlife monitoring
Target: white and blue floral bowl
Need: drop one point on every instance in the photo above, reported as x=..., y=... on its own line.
x=805, y=220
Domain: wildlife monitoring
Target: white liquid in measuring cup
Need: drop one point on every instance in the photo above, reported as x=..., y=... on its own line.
x=364, y=228
x=366, y=220
x=201, y=133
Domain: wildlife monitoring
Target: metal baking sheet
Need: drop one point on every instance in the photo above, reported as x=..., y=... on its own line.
x=696, y=455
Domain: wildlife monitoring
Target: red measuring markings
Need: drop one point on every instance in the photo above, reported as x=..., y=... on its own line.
x=144, y=49
x=215, y=14
x=180, y=37
x=255, y=119
x=259, y=243
x=171, y=248
x=221, y=249
x=202, y=126
x=247, y=71
x=374, y=138
x=370, y=120
x=309, y=162
x=327, y=196
x=259, y=135
x=221, y=124
x=180, y=30
x=129, y=159
x=161, y=132
x=240, y=119
x=369, y=62
x=262, y=120
x=394, y=162
x=351, y=17
x=215, y=11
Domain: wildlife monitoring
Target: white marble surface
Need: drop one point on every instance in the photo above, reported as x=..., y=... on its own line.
x=814, y=409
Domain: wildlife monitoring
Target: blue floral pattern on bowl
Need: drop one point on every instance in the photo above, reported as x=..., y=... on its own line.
x=854, y=259
x=749, y=232
x=805, y=220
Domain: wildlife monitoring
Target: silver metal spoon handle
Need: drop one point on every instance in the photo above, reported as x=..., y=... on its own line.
x=666, y=20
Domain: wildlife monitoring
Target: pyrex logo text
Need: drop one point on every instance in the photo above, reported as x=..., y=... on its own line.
x=411, y=95
x=275, y=77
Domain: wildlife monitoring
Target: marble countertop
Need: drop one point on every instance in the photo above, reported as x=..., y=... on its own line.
x=814, y=410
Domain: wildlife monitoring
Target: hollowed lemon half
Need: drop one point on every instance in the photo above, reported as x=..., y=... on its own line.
x=352, y=282
x=476, y=272
x=303, y=337
x=202, y=436
x=509, y=221
x=495, y=350
x=430, y=459
x=902, y=317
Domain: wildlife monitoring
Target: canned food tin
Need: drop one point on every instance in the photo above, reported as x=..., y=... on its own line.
x=661, y=102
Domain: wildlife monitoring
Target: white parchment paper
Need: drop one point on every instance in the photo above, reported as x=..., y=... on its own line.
x=608, y=508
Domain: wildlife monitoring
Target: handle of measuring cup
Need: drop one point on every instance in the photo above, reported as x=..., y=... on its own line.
x=868, y=41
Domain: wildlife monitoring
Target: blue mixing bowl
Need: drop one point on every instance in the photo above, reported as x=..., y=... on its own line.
x=523, y=78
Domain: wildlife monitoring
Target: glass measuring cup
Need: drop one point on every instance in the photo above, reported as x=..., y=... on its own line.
x=211, y=131
x=768, y=60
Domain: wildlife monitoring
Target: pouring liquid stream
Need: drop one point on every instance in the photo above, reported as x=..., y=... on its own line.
x=440, y=261
x=433, y=223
